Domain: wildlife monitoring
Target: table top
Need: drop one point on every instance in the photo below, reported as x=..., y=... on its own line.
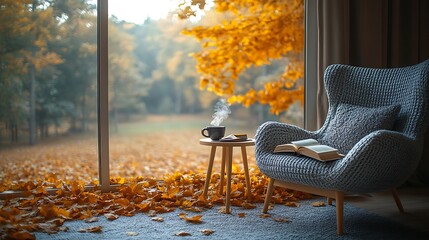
x=209, y=142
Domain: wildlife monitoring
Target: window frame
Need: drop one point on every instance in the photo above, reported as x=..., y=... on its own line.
x=310, y=65
x=310, y=81
x=103, y=94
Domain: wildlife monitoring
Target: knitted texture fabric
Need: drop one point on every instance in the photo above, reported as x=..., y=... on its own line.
x=351, y=123
x=382, y=158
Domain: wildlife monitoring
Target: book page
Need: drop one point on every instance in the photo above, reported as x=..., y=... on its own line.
x=320, y=148
x=286, y=148
x=305, y=142
x=321, y=152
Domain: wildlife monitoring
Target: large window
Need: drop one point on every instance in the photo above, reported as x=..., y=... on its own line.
x=87, y=94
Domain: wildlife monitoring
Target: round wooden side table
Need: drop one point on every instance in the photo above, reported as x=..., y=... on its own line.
x=227, y=149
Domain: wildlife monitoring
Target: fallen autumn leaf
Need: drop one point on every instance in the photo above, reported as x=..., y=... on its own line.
x=318, y=204
x=182, y=234
x=93, y=229
x=207, y=231
x=132, y=233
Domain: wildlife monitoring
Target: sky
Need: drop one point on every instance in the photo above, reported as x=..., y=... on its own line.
x=137, y=11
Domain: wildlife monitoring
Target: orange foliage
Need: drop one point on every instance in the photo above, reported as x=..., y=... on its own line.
x=256, y=32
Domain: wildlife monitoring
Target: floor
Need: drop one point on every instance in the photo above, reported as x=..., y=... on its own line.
x=415, y=201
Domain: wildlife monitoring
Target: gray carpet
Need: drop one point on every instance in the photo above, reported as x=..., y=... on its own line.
x=307, y=222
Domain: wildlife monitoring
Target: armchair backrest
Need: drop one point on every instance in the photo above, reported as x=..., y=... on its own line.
x=371, y=87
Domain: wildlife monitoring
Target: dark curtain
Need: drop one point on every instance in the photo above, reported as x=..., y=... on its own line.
x=372, y=33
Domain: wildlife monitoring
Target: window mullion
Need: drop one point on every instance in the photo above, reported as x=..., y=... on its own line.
x=102, y=94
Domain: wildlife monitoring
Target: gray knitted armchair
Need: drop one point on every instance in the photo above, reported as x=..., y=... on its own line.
x=376, y=118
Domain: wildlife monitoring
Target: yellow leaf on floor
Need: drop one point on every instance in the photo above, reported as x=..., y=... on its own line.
x=158, y=219
x=318, y=204
x=247, y=205
x=284, y=220
x=91, y=220
x=291, y=204
x=122, y=201
x=111, y=216
x=93, y=229
x=207, y=231
x=194, y=219
x=182, y=234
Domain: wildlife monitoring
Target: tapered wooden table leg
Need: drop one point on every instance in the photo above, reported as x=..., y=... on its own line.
x=246, y=172
x=228, y=179
x=222, y=171
x=227, y=149
x=209, y=171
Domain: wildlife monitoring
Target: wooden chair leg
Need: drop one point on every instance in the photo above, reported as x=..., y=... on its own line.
x=339, y=202
x=329, y=201
x=268, y=196
x=397, y=200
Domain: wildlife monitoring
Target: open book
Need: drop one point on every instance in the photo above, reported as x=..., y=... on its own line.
x=310, y=148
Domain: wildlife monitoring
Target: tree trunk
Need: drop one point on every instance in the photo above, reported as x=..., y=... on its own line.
x=13, y=127
x=15, y=132
x=32, y=104
x=178, y=106
x=115, y=120
x=84, y=115
x=73, y=118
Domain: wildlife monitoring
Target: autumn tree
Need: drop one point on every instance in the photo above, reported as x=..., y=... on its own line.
x=252, y=34
x=31, y=26
x=169, y=73
x=178, y=66
x=41, y=29
x=75, y=87
x=126, y=85
x=12, y=41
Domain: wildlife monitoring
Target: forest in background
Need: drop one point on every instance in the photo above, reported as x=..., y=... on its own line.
x=48, y=70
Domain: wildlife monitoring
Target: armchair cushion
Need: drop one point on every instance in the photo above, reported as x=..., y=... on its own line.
x=351, y=123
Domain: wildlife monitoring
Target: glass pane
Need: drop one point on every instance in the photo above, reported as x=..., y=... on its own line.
x=48, y=79
x=157, y=109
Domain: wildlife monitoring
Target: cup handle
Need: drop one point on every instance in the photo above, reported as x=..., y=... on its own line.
x=202, y=132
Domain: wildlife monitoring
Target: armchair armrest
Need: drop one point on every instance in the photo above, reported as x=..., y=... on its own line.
x=271, y=134
x=378, y=161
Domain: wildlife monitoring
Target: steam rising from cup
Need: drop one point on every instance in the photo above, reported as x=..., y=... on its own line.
x=222, y=112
